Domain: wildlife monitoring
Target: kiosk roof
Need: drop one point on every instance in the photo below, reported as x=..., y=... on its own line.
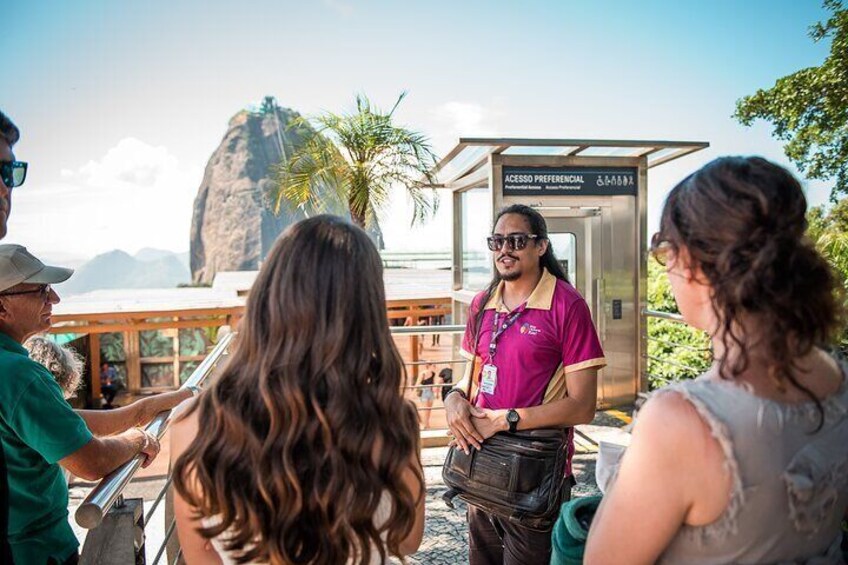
x=471, y=153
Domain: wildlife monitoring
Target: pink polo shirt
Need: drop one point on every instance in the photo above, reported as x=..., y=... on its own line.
x=553, y=336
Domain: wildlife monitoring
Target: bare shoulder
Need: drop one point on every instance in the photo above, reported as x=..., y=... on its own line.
x=672, y=428
x=184, y=427
x=692, y=453
x=670, y=417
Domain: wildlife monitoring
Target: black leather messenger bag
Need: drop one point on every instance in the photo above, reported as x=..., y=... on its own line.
x=518, y=476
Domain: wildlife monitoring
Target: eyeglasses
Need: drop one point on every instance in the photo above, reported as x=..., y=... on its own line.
x=516, y=241
x=43, y=289
x=661, y=250
x=13, y=173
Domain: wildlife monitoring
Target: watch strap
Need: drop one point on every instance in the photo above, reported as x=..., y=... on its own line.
x=513, y=422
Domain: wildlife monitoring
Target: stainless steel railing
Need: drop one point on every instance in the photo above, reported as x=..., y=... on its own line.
x=108, y=493
x=696, y=357
x=101, y=498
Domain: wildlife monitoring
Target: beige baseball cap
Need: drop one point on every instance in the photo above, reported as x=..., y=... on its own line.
x=17, y=265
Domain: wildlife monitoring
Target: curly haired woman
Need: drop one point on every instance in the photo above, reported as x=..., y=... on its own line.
x=749, y=462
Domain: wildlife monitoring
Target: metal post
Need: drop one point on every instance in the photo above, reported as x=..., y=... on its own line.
x=119, y=539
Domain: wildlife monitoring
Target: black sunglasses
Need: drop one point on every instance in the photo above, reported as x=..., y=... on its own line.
x=43, y=289
x=13, y=173
x=516, y=241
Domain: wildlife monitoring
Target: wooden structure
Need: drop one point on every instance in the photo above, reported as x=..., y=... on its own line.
x=131, y=317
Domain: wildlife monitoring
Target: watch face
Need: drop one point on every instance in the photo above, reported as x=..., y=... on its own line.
x=512, y=416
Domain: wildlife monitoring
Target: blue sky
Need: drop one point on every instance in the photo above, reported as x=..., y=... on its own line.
x=122, y=103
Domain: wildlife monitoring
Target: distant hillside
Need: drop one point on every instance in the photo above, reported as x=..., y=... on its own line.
x=150, y=268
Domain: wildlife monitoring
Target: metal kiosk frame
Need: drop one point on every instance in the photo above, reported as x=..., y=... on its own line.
x=594, y=196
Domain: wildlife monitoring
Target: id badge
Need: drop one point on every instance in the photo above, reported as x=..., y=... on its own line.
x=489, y=379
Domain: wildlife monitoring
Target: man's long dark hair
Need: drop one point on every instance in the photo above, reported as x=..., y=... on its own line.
x=548, y=260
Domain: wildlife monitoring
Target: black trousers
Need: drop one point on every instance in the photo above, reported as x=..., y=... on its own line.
x=495, y=541
x=109, y=392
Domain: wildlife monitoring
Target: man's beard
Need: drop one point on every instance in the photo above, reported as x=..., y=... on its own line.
x=509, y=277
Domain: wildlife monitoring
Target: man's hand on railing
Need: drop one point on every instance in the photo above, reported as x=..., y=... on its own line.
x=458, y=411
x=149, y=448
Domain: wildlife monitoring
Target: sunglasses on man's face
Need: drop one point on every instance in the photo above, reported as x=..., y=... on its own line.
x=516, y=241
x=13, y=173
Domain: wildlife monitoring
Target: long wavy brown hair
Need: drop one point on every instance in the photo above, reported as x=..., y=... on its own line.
x=305, y=430
x=743, y=222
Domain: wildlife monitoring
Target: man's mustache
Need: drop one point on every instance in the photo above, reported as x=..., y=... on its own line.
x=502, y=255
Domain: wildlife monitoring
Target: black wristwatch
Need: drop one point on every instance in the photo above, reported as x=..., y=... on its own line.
x=512, y=419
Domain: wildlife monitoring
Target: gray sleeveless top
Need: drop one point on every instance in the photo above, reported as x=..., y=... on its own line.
x=790, y=486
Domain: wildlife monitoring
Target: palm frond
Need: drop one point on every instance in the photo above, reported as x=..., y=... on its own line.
x=354, y=160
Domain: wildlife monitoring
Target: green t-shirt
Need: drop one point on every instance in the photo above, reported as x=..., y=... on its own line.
x=37, y=429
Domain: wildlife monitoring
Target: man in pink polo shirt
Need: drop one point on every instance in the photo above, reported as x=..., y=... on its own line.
x=537, y=361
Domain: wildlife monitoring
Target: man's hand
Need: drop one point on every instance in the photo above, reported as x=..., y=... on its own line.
x=458, y=412
x=150, y=448
x=489, y=422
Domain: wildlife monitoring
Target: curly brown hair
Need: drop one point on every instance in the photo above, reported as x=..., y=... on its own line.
x=306, y=430
x=743, y=222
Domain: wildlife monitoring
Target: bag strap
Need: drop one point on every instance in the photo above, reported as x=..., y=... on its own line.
x=479, y=323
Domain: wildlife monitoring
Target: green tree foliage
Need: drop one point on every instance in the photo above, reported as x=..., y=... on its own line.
x=829, y=231
x=809, y=108
x=353, y=160
x=675, y=351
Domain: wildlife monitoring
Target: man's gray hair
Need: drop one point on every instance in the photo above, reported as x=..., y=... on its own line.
x=64, y=363
x=8, y=130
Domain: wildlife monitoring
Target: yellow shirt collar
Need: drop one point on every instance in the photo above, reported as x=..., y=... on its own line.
x=540, y=299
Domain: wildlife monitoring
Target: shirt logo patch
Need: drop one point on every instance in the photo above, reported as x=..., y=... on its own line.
x=529, y=329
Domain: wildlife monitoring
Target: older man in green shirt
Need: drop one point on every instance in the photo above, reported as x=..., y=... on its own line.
x=39, y=431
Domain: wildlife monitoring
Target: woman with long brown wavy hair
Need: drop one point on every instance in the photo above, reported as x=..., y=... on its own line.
x=749, y=462
x=303, y=450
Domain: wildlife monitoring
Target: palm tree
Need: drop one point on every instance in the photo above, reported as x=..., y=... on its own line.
x=352, y=161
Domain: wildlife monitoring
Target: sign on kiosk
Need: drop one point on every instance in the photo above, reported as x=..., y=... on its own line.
x=572, y=181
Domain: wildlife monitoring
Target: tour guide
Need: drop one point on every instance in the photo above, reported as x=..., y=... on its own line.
x=537, y=364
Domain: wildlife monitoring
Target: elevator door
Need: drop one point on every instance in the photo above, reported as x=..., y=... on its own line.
x=597, y=248
x=577, y=242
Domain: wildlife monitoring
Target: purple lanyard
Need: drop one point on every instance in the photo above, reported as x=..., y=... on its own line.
x=499, y=328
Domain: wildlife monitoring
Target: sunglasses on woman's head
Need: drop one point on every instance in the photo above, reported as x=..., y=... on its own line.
x=516, y=241
x=13, y=173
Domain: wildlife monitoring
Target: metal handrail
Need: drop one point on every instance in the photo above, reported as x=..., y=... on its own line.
x=673, y=364
x=102, y=497
x=663, y=315
x=681, y=345
x=427, y=330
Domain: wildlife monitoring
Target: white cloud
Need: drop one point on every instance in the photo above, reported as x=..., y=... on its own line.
x=455, y=119
x=131, y=163
x=134, y=196
x=466, y=118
